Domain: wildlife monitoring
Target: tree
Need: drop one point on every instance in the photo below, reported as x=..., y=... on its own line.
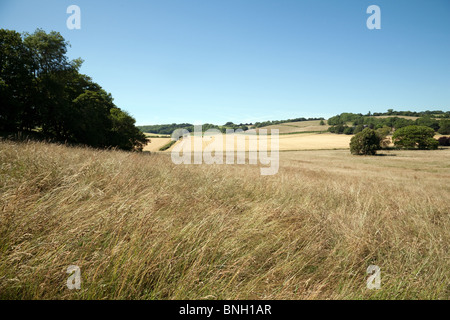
x=89, y=121
x=348, y=130
x=41, y=89
x=16, y=112
x=358, y=128
x=322, y=123
x=366, y=142
x=444, y=127
x=412, y=137
x=428, y=122
x=124, y=134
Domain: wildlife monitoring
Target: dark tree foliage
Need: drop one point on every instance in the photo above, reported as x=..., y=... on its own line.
x=435, y=120
x=168, y=129
x=42, y=90
x=444, y=127
x=413, y=137
x=366, y=142
x=444, y=141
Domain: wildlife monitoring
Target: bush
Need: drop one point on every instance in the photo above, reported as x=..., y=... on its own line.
x=358, y=128
x=366, y=142
x=412, y=137
x=348, y=130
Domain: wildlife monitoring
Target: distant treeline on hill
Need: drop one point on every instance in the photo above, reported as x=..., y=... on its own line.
x=275, y=122
x=433, y=114
x=43, y=95
x=168, y=129
x=351, y=123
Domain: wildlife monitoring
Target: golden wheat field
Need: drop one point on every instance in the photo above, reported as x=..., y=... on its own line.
x=140, y=227
x=291, y=142
x=154, y=144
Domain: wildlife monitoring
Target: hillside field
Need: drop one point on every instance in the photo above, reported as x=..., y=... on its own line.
x=140, y=227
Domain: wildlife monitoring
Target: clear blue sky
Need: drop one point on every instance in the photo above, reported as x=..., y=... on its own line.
x=251, y=60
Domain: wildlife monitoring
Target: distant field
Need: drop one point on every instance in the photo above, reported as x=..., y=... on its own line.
x=140, y=227
x=290, y=141
x=305, y=141
x=302, y=126
x=150, y=135
x=156, y=143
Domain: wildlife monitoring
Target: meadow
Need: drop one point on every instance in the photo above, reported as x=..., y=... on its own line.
x=140, y=227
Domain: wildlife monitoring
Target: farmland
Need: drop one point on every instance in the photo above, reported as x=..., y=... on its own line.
x=140, y=227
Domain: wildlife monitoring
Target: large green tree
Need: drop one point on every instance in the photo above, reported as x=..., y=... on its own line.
x=412, y=137
x=41, y=89
x=16, y=83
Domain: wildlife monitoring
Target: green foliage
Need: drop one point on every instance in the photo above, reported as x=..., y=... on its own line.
x=383, y=132
x=444, y=127
x=168, y=145
x=358, y=129
x=366, y=142
x=427, y=119
x=383, y=135
x=124, y=134
x=41, y=88
x=412, y=137
x=348, y=130
x=341, y=129
x=170, y=128
x=434, y=114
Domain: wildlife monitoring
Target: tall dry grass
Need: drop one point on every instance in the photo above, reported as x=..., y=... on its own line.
x=140, y=227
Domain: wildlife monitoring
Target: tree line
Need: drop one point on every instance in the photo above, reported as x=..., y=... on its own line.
x=368, y=141
x=339, y=123
x=42, y=92
x=168, y=129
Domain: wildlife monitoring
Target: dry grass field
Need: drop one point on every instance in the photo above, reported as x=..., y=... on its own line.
x=303, y=126
x=140, y=227
x=291, y=142
x=156, y=143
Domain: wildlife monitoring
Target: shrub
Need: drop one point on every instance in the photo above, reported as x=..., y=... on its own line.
x=366, y=142
x=412, y=137
x=348, y=130
x=168, y=145
x=358, y=128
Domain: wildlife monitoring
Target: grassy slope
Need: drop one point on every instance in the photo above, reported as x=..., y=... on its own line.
x=140, y=227
x=303, y=126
